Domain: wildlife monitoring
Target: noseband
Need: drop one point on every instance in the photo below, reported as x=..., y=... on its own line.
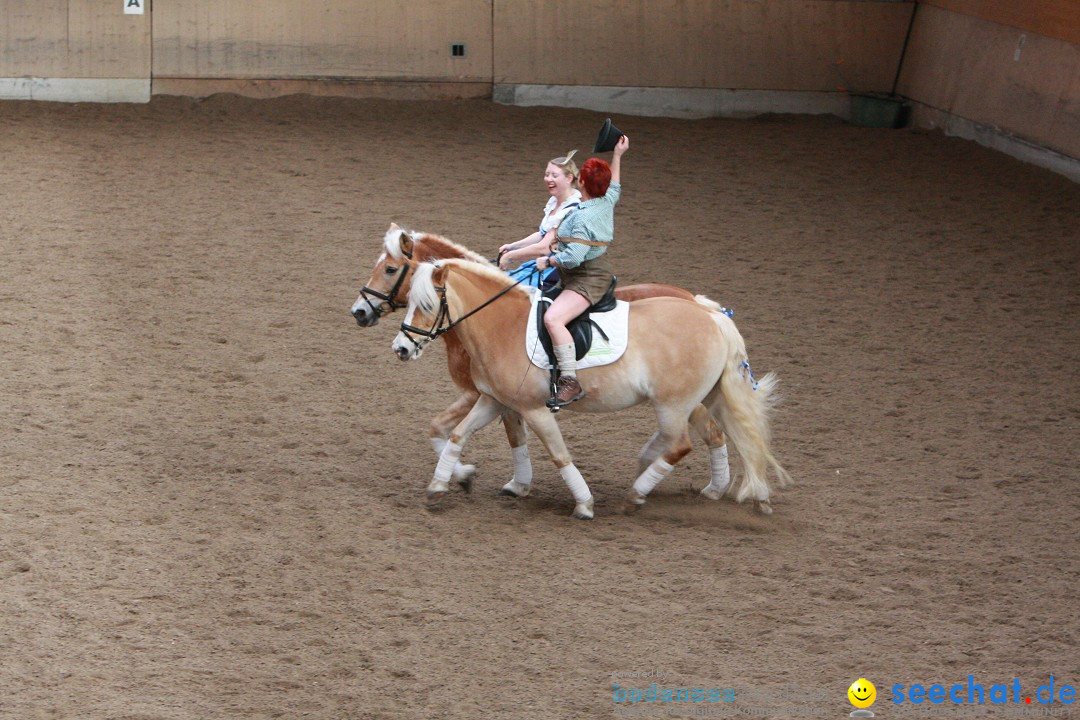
x=441, y=325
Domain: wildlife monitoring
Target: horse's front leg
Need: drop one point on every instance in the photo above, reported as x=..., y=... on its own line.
x=521, y=484
x=543, y=424
x=440, y=429
x=483, y=412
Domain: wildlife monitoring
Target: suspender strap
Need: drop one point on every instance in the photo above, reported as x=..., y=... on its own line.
x=579, y=241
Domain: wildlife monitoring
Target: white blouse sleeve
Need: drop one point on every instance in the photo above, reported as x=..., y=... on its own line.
x=559, y=214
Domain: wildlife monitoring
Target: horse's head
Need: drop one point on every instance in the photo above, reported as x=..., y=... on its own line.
x=388, y=287
x=426, y=314
x=437, y=306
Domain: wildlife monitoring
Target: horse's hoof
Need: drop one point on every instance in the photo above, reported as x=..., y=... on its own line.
x=515, y=489
x=463, y=473
x=763, y=507
x=435, y=499
x=465, y=484
x=633, y=502
x=712, y=493
x=584, y=510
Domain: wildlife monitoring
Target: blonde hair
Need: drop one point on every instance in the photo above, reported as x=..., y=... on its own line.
x=567, y=164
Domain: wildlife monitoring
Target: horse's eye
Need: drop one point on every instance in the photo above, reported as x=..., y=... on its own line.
x=390, y=269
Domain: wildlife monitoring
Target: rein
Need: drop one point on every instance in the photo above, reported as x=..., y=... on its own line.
x=443, y=316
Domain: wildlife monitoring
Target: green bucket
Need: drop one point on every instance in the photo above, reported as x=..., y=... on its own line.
x=878, y=111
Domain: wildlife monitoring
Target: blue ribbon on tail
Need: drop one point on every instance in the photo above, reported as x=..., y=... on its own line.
x=749, y=375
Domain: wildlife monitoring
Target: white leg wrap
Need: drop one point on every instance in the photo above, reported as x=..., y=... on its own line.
x=652, y=476
x=447, y=460
x=460, y=472
x=522, y=466
x=576, y=483
x=721, y=470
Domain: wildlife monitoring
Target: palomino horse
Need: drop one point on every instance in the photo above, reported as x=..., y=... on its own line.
x=387, y=290
x=680, y=355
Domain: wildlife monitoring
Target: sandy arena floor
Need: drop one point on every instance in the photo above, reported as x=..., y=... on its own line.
x=211, y=497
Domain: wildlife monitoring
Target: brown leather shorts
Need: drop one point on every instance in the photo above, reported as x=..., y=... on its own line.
x=590, y=280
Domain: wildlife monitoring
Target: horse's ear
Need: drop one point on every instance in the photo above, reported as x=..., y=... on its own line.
x=406, y=245
x=438, y=275
x=393, y=226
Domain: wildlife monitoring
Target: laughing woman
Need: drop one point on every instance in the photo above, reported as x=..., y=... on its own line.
x=560, y=177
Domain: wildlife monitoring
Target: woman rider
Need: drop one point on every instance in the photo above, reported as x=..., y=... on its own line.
x=560, y=177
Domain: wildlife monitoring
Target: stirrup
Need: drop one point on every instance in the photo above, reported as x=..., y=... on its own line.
x=553, y=391
x=552, y=401
x=555, y=406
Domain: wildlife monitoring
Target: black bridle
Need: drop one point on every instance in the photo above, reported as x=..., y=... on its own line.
x=388, y=298
x=443, y=324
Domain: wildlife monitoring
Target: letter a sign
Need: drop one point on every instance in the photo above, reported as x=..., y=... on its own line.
x=133, y=7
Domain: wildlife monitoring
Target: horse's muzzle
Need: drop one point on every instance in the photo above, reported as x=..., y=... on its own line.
x=364, y=317
x=405, y=350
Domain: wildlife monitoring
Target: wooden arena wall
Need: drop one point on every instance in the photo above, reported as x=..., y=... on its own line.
x=1012, y=66
x=1009, y=65
x=273, y=47
x=731, y=44
x=73, y=50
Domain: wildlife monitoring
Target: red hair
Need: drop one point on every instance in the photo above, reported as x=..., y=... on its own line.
x=595, y=177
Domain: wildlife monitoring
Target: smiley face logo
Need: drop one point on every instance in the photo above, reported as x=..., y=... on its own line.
x=862, y=693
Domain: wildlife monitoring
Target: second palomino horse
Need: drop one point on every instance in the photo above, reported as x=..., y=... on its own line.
x=680, y=355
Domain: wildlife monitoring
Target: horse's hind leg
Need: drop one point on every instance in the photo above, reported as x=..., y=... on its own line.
x=483, y=412
x=521, y=484
x=708, y=430
x=706, y=426
x=674, y=437
x=650, y=452
x=543, y=424
x=443, y=423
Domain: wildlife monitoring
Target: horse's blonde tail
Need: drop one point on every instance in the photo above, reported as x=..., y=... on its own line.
x=744, y=409
x=710, y=305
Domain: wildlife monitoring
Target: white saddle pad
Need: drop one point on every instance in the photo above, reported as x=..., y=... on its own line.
x=603, y=352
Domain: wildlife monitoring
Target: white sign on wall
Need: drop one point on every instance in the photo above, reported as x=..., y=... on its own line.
x=133, y=7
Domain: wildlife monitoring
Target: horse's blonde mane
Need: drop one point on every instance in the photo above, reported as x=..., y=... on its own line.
x=427, y=245
x=485, y=270
x=439, y=247
x=422, y=294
